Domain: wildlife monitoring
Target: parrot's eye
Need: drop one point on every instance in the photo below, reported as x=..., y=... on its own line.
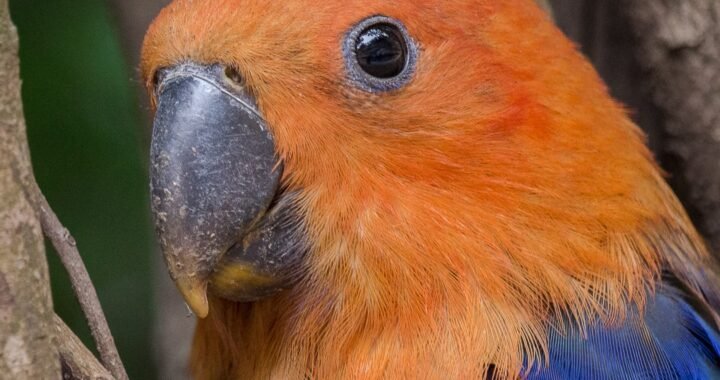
x=379, y=54
x=380, y=51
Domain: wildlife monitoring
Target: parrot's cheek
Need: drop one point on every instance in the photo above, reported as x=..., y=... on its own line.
x=268, y=259
x=215, y=185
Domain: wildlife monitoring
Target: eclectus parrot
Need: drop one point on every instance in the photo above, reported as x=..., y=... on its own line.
x=422, y=189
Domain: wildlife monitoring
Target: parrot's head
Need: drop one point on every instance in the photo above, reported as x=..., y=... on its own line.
x=395, y=157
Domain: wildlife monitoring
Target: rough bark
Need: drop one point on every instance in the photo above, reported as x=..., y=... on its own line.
x=26, y=314
x=679, y=48
x=78, y=363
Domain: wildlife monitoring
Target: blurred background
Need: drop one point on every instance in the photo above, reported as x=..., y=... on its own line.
x=88, y=127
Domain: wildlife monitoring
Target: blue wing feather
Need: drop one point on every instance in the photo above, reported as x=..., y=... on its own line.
x=671, y=340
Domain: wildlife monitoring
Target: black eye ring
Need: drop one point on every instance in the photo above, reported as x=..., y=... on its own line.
x=379, y=54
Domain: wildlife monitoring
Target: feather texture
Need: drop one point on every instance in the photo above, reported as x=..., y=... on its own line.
x=449, y=222
x=670, y=340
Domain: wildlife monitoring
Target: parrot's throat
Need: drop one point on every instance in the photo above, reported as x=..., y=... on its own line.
x=371, y=319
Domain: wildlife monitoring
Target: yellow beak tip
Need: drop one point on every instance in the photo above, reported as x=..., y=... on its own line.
x=195, y=293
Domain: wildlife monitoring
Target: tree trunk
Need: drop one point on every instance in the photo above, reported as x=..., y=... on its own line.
x=27, y=349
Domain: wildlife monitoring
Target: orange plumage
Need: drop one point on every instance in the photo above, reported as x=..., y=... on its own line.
x=451, y=222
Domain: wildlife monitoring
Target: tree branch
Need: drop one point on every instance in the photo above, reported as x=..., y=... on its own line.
x=28, y=326
x=82, y=285
x=78, y=363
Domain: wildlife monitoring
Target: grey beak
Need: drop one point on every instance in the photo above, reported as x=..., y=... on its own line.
x=214, y=172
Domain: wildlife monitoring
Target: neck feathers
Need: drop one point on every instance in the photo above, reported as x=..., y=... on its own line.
x=380, y=314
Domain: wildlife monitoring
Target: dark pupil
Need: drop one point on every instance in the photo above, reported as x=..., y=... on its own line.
x=381, y=51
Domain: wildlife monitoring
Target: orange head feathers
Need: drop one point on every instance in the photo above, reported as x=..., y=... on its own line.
x=455, y=216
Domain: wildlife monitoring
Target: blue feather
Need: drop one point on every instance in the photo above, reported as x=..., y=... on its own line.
x=670, y=341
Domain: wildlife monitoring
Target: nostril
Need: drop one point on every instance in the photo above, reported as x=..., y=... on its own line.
x=235, y=76
x=156, y=79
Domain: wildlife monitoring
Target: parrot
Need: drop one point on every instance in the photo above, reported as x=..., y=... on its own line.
x=421, y=189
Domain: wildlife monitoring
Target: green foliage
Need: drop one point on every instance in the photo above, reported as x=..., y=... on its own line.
x=83, y=126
